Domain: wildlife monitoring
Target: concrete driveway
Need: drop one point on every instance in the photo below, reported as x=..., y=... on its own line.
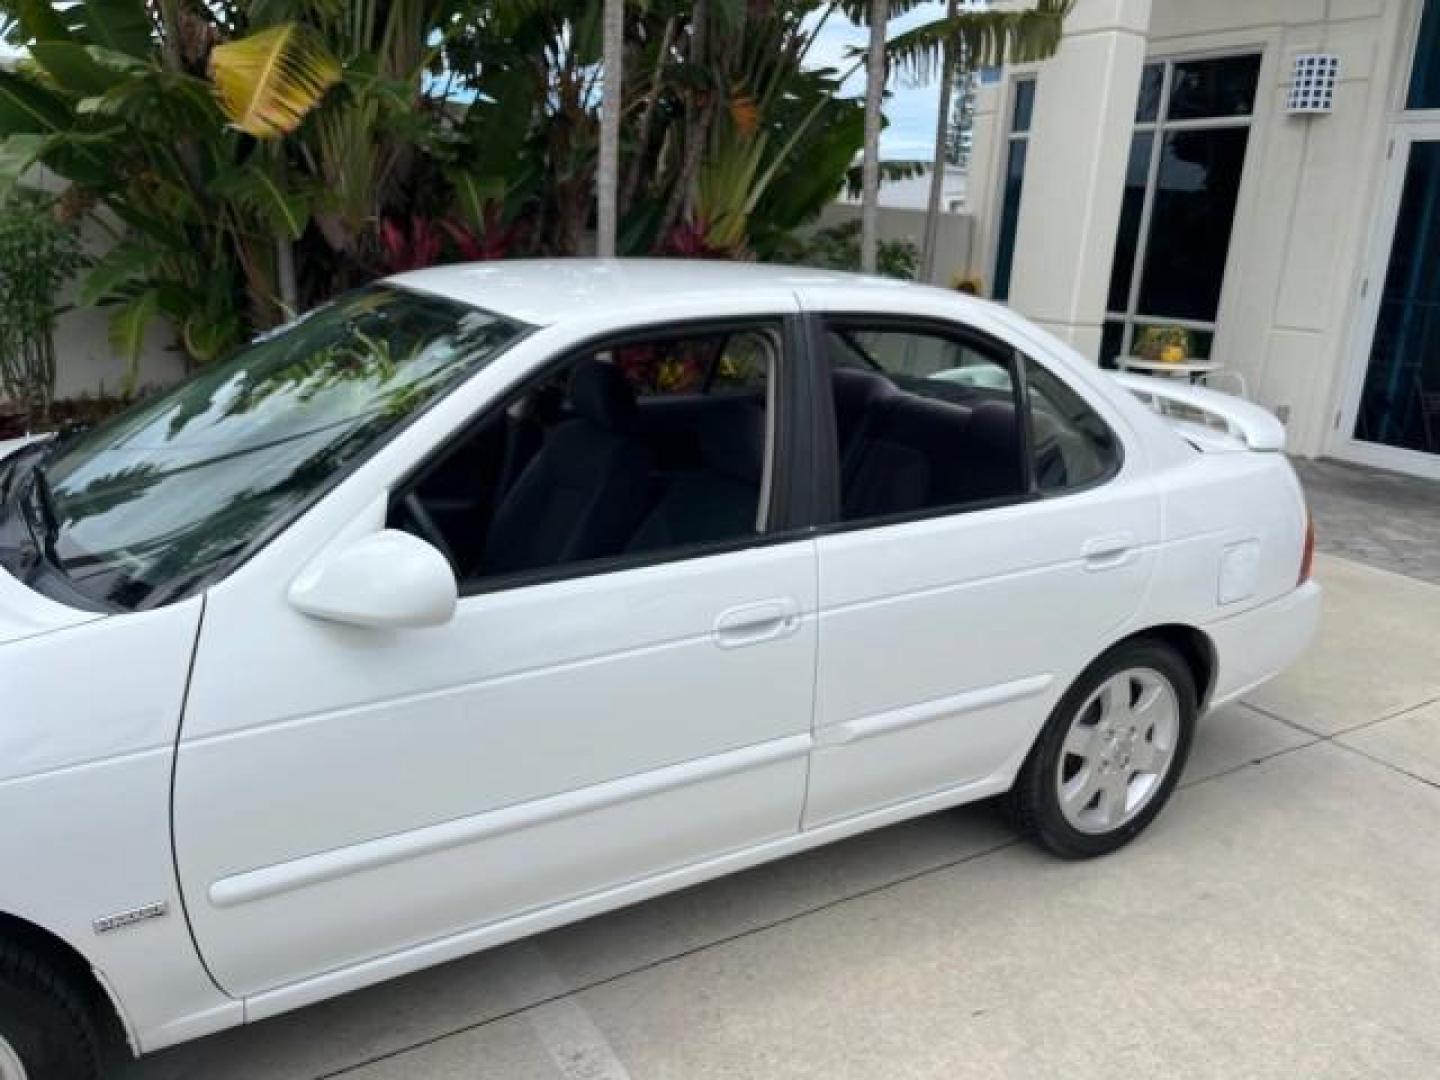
x=1281, y=919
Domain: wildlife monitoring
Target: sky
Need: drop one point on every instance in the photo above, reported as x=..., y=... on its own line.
x=910, y=108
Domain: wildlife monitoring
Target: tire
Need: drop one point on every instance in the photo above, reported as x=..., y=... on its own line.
x=46, y=1028
x=1111, y=753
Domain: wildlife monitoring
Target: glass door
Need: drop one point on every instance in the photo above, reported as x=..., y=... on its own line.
x=1392, y=418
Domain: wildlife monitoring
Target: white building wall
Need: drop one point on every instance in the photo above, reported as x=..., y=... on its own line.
x=982, y=197
x=1307, y=205
x=1084, y=118
x=1309, y=196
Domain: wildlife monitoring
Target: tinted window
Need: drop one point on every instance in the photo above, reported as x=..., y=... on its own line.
x=1425, y=77
x=1112, y=340
x=1211, y=88
x=1010, y=217
x=744, y=364
x=1071, y=446
x=648, y=448
x=1024, y=105
x=924, y=422
x=1194, y=208
x=162, y=496
x=1152, y=80
x=1182, y=186
x=1137, y=176
x=1400, y=404
x=722, y=362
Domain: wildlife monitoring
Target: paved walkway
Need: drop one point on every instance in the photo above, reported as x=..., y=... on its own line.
x=1281, y=919
x=1381, y=518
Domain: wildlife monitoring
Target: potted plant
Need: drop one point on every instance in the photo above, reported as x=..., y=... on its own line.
x=1165, y=344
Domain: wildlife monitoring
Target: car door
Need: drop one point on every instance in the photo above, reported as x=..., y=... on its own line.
x=991, y=539
x=345, y=795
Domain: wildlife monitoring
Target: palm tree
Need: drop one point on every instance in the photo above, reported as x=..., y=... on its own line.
x=948, y=66
x=607, y=182
x=983, y=38
x=875, y=72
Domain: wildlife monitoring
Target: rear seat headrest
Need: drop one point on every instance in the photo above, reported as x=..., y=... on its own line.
x=601, y=394
x=855, y=390
x=992, y=427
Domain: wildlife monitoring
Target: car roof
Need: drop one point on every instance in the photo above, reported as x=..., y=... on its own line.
x=547, y=292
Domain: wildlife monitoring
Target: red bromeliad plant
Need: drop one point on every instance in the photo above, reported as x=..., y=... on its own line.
x=423, y=242
x=494, y=240
x=412, y=248
x=691, y=240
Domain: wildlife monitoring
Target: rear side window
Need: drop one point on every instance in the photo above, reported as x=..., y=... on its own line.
x=925, y=421
x=1071, y=446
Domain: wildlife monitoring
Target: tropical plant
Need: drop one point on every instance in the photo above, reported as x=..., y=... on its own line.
x=1165, y=344
x=963, y=41
x=39, y=251
x=982, y=37
x=115, y=99
x=837, y=247
x=250, y=158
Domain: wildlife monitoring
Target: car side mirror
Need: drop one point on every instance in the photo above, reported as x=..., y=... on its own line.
x=386, y=580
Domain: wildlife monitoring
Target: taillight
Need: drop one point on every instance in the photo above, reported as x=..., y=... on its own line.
x=1307, y=557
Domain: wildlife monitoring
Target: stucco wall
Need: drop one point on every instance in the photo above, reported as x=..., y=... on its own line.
x=1309, y=195
x=954, y=247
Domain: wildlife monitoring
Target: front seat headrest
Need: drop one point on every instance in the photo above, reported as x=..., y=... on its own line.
x=732, y=441
x=601, y=394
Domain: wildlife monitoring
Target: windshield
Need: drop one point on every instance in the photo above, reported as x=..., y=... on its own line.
x=165, y=496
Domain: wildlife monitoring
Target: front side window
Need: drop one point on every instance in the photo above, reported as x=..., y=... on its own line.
x=655, y=447
x=924, y=422
x=162, y=498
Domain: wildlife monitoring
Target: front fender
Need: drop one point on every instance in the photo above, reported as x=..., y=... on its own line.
x=87, y=735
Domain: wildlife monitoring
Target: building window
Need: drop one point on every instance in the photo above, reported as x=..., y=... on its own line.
x=1182, y=182
x=1017, y=146
x=1425, y=75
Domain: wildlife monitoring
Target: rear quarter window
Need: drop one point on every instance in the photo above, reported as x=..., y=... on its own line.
x=1072, y=446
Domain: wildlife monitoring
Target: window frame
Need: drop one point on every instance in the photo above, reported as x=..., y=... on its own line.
x=1013, y=135
x=828, y=466
x=1116, y=440
x=789, y=510
x=827, y=452
x=1158, y=128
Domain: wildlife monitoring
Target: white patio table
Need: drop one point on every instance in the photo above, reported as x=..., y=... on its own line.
x=1197, y=371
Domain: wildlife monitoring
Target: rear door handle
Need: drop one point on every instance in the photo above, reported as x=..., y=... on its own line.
x=752, y=624
x=1109, y=552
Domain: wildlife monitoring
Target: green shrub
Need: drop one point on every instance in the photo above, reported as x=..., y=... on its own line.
x=38, y=254
x=838, y=248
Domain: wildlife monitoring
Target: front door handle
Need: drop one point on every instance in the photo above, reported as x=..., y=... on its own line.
x=1109, y=552
x=752, y=624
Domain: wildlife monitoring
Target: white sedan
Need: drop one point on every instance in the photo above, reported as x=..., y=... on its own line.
x=492, y=597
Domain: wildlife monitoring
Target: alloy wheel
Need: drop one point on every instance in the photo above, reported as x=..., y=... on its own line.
x=1118, y=750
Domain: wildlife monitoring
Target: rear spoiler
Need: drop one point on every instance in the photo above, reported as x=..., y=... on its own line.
x=1201, y=415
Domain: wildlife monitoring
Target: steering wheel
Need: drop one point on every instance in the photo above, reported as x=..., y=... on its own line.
x=429, y=531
